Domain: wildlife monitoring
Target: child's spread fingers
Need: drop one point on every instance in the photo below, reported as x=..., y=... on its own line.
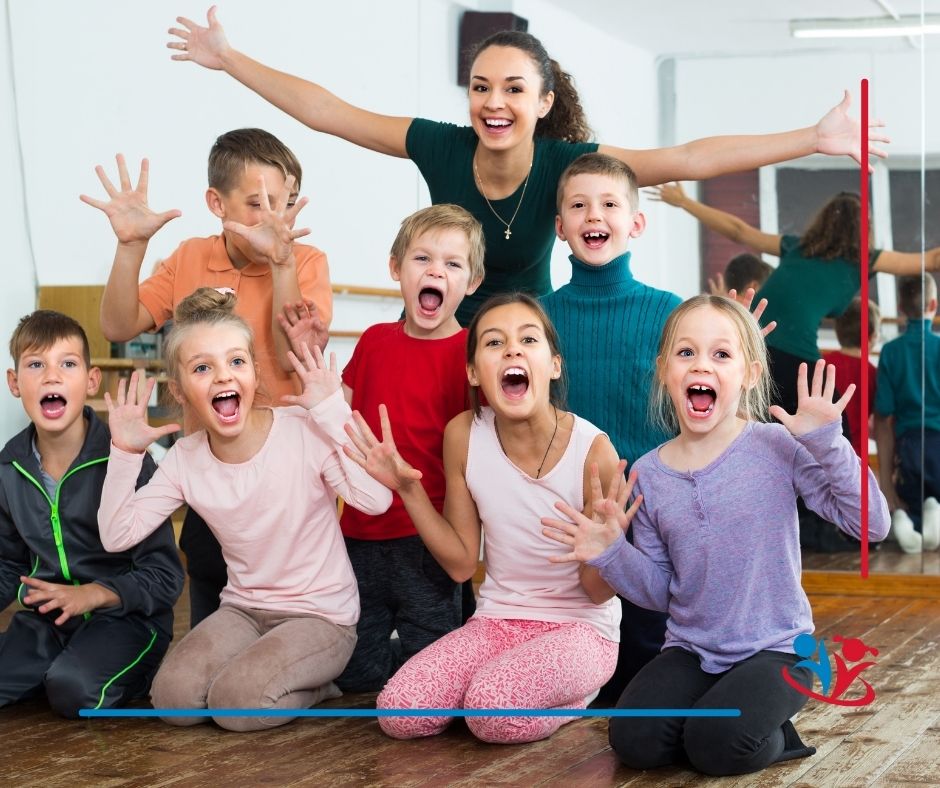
x=295, y=234
x=105, y=181
x=818, y=375
x=386, y=426
x=768, y=328
x=364, y=429
x=121, y=392
x=844, y=399
x=829, y=389
x=761, y=305
x=143, y=179
x=352, y=454
x=333, y=367
x=100, y=205
x=123, y=175
x=802, y=388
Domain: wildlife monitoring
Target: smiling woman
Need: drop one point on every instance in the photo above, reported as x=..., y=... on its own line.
x=526, y=126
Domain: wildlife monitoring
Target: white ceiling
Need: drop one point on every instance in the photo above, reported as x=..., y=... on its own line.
x=690, y=28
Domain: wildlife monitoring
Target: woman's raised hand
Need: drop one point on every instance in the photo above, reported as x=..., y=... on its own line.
x=202, y=45
x=837, y=134
x=127, y=419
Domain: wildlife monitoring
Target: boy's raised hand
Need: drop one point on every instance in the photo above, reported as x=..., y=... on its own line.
x=202, y=45
x=319, y=381
x=588, y=537
x=272, y=239
x=815, y=407
x=132, y=220
x=837, y=134
x=127, y=419
x=302, y=325
x=380, y=459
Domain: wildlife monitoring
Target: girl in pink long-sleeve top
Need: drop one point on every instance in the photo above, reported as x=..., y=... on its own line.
x=716, y=543
x=265, y=480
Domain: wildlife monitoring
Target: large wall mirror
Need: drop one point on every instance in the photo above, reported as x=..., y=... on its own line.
x=734, y=67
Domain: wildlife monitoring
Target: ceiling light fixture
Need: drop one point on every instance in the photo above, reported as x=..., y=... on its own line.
x=866, y=28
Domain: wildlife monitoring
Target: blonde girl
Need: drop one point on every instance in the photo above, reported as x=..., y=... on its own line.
x=265, y=480
x=716, y=542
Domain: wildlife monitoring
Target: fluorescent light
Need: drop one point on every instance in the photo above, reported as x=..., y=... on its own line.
x=865, y=28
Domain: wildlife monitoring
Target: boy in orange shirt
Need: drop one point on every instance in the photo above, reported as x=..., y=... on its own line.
x=253, y=184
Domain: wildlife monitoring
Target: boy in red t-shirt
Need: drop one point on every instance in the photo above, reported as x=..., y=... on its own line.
x=417, y=368
x=848, y=363
x=253, y=184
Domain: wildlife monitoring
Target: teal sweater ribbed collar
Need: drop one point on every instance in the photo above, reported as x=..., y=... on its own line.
x=614, y=277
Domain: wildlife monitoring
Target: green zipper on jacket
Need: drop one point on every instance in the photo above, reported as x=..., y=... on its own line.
x=54, y=508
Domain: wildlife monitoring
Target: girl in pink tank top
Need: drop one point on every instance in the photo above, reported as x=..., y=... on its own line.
x=545, y=633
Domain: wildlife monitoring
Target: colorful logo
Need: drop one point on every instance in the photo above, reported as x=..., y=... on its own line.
x=816, y=659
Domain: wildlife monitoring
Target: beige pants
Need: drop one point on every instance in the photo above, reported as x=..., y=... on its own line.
x=241, y=658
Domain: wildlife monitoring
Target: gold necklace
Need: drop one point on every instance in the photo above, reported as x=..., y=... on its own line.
x=525, y=183
x=547, y=448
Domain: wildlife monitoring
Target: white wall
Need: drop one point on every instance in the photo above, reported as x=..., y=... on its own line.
x=18, y=294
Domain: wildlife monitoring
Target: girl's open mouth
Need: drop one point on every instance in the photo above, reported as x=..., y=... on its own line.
x=515, y=382
x=226, y=405
x=701, y=400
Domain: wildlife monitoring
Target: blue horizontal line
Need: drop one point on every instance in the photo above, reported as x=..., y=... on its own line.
x=335, y=712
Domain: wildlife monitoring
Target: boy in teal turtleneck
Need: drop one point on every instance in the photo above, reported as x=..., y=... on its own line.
x=610, y=325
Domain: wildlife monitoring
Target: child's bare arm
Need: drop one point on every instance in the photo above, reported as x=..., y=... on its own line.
x=123, y=317
x=454, y=538
x=311, y=104
x=71, y=600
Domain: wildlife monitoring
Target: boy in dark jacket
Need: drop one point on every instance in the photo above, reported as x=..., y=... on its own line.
x=95, y=625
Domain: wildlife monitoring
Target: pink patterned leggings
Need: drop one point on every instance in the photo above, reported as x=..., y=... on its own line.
x=492, y=663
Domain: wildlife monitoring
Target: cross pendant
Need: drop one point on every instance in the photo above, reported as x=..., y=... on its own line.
x=508, y=232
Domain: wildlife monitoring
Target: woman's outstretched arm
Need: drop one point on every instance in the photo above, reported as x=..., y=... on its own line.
x=836, y=134
x=311, y=104
x=727, y=224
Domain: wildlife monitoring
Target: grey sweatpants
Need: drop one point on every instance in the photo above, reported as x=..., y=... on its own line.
x=241, y=658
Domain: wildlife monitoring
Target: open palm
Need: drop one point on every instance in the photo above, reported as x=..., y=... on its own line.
x=127, y=418
x=202, y=45
x=815, y=407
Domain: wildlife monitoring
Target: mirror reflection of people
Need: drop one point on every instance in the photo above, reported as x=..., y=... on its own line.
x=817, y=276
x=526, y=126
x=744, y=272
x=907, y=400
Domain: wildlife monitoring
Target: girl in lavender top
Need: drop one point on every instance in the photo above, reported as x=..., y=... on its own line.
x=717, y=542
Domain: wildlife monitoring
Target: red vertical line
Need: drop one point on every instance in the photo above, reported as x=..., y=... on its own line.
x=863, y=267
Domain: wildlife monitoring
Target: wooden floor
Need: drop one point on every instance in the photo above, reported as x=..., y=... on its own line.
x=886, y=557
x=895, y=741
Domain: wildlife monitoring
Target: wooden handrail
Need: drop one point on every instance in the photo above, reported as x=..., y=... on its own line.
x=376, y=292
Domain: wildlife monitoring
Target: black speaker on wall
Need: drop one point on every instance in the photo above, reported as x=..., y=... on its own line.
x=475, y=26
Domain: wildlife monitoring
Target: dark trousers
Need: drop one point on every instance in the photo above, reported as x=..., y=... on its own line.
x=918, y=469
x=401, y=587
x=204, y=565
x=642, y=633
x=101, y=662
x=762, y=735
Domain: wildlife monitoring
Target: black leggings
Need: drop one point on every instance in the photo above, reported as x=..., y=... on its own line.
x=762, y=735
